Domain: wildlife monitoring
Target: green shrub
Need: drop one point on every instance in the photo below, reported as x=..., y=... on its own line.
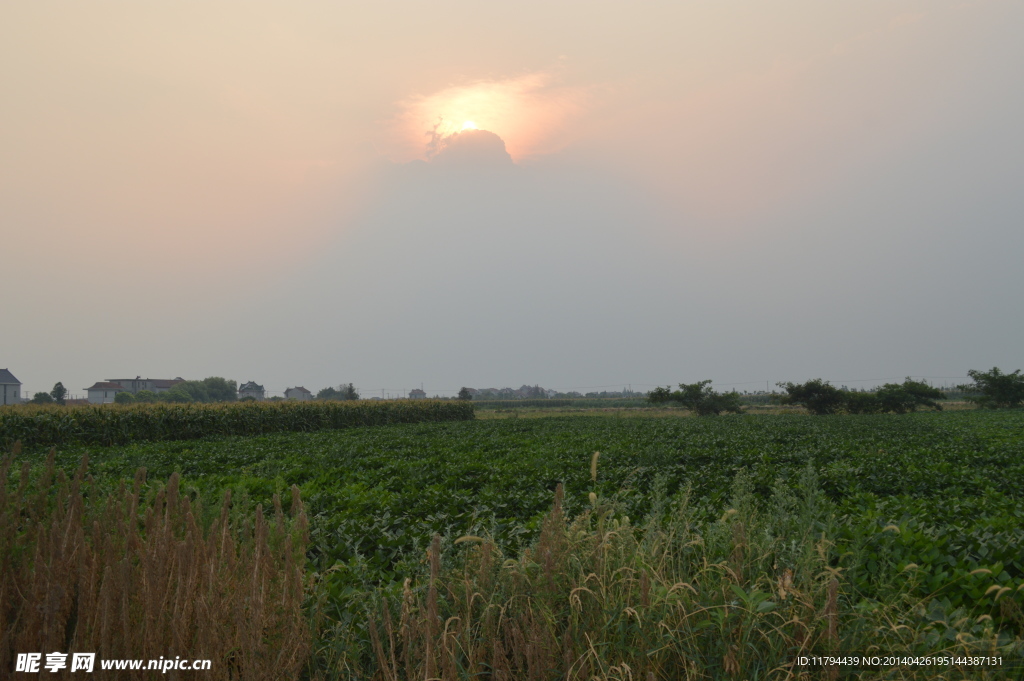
x=901, y=399
x=124, y=397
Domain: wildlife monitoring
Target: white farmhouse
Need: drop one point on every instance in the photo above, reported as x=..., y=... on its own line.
x=10, y=388
x=297, y=393
x=138, y=384
x=251, y=389
x=103, y=392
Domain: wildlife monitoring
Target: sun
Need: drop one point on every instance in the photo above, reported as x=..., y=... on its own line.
x=469, y=125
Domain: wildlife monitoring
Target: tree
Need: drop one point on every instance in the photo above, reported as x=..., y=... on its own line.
x=58, y=393
x=345, y=391
x=817, y=396
x=330, y=393
x=900, y=399
x=177, y=393
x=994, y=389
x=42, y=398
x=212, y=389
x=699, y=398
x=464, y=393
x=146, y=396
x=124, y=397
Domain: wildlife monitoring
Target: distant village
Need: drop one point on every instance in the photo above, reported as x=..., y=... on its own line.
x=138, y=389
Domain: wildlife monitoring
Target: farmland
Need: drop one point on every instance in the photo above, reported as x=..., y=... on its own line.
x=926, y=506
x=382, y=492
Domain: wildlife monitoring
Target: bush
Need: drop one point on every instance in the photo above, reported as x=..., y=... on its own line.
x=901, y=399
x=42, y=398
x=699, y=398
x=124, y=397
x=146, y=396
x=863, y=403
x=817, y=396
x=994, y=389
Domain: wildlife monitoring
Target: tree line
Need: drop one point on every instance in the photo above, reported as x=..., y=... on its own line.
x=990, y=390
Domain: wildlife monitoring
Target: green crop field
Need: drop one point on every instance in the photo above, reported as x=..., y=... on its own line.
x=926, y=505
x=953, y=483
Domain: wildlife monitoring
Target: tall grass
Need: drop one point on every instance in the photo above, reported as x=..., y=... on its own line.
x=675, y=597
x=111, y=424
x=139, y=576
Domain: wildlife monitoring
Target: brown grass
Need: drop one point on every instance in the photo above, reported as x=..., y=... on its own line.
x=138, y=577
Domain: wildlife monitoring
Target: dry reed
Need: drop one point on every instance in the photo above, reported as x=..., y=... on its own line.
x=136, y=576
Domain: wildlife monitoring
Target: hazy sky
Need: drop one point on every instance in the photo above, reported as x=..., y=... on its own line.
x=489, y=194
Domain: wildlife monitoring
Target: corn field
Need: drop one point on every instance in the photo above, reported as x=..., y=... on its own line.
x=110, y=424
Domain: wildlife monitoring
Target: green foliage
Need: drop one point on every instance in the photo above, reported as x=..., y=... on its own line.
x=820, y=397
x=817, y=396
x=699, y=398
x=345, y=391
x=951, y=484
x=124, y=397
x=146, y=396
x=863, y=403
x=42, y=398
x=178, y=393
x=464, y=393
x=994, y=389
x=58, y=393
x=115, y=424
x=212, y=389
x=901, y=399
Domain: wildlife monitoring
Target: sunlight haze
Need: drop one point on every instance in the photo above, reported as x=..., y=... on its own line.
x=487, y=194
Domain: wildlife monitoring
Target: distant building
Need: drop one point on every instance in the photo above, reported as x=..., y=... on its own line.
x=297, y=393
x=138, y=384
x=103, y=392
x=10, y=388
x=252, y=389
x=417, y=394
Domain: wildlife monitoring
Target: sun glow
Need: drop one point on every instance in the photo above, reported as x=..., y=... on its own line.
x=531, y=113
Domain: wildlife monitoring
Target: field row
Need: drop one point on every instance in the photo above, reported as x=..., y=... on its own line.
x=116, y=424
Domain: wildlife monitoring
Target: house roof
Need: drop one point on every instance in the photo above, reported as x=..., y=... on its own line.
x=105, y=385
x=157, y=382
x=8, y=378
x=299, y=388
x=251, y=385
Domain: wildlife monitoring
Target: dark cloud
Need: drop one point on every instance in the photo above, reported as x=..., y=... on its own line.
x=472, y=150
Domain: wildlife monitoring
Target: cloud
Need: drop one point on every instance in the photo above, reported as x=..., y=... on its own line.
x=471, y=149
x=533, y=113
